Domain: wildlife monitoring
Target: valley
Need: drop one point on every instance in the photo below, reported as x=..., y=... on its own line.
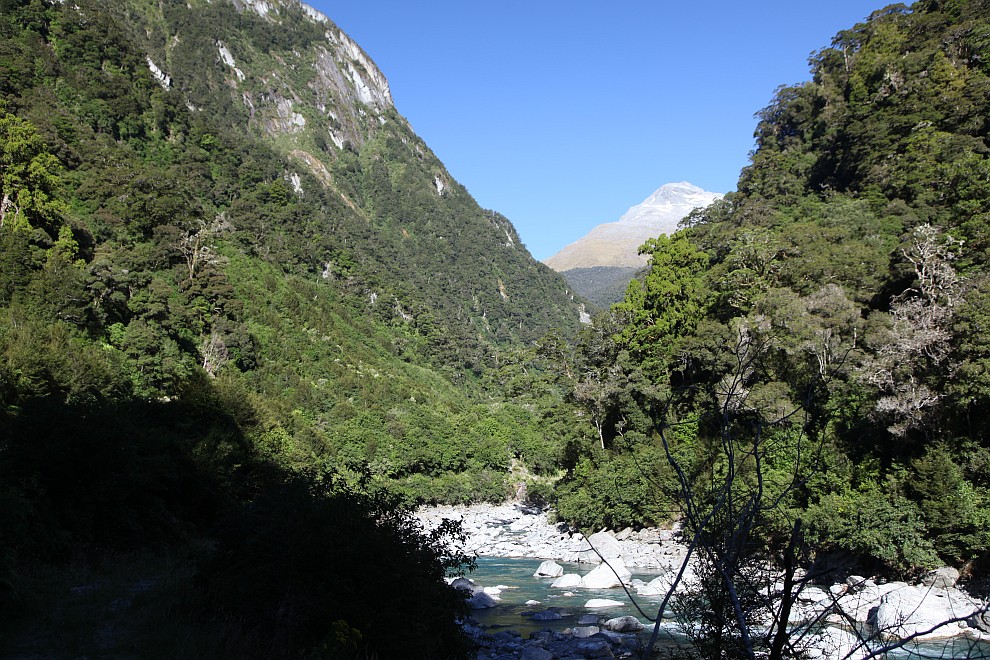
x=250, y=324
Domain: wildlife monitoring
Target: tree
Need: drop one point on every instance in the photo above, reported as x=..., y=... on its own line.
x=667, y=303
x=197, y=246
x=738, y=592
x=914, y=350
x=29, y=175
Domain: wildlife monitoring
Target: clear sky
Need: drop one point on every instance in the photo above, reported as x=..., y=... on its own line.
x=561, y=115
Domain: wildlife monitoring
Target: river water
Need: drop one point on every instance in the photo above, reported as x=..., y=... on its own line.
x=516, y=576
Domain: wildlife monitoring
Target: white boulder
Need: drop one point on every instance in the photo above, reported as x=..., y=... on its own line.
x=568, y=581
x=603, y=602
x=607, y=576
x=549, y=569
x=944, y=577
x=923, y=612
x=624, y=624
x=605, y=545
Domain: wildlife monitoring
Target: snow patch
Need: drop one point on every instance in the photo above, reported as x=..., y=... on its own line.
x=668, y=204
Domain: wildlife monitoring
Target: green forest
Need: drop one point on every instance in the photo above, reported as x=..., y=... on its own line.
x=234, y=344
x=831, y=312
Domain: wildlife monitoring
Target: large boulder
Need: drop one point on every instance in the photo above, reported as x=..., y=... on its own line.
x=591, y=647
x=568, y=581
x=549, y=569
x=624, y=624
x=837, y=644
x=922, y=613
x=944, y=577
x=479, y=600
x=547, y=615
x=607, y=576
x=606, y=546
x=603, y=602
x=861, y=604
x=981, y=621
x=464, y=584
x=531, y=652
x=658, y=586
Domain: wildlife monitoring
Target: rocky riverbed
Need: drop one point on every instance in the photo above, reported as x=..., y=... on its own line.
x=934, y=612
x=512, y=530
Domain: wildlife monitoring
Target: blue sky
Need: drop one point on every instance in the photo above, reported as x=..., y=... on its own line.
x=561, y=115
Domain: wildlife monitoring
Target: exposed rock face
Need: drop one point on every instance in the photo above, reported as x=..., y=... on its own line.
x=331, y=88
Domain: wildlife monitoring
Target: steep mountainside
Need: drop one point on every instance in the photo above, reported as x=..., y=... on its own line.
x=600, y=265
x=241, y=302
x=286, y=73
x=601, y=285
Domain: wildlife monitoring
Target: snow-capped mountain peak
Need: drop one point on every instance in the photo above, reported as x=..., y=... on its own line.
x=615, y=244
x=668, y=201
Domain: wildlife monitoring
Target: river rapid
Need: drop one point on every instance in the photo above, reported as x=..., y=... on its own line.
x=521, y=615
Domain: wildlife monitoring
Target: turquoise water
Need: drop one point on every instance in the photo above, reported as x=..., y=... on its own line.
x=517, y=575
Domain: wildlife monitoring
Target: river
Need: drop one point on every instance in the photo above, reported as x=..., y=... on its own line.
x=512, y=612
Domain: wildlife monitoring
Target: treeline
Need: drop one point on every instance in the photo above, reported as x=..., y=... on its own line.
x=832, y=310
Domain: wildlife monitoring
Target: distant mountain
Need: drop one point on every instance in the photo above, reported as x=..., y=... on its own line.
x=599, y=266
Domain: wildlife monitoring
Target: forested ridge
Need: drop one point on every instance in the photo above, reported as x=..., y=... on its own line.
x=247, y=318
x=831, y=314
